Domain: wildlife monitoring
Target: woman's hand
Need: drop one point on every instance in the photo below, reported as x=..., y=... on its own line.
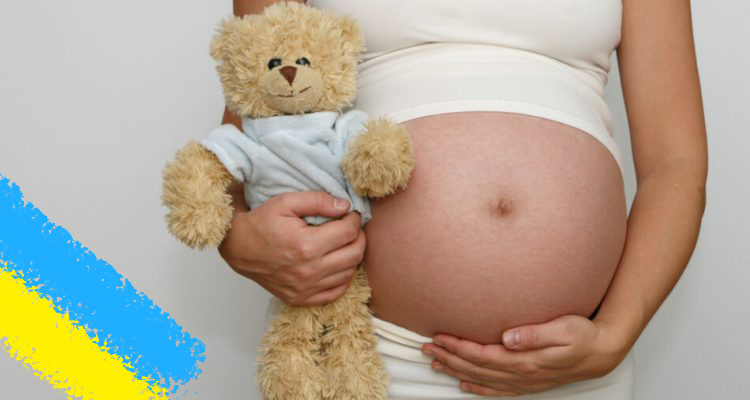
x=565, y=350
x=301, y=265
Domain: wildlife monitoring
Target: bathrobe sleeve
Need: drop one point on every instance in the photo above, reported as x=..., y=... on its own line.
x=349, y=125
x=234, y=149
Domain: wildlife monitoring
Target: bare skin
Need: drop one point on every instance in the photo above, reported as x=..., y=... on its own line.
x=508, y=220
x=661, y=88
x=669, y=149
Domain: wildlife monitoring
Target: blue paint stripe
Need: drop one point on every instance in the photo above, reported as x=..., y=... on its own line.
x=93, y=293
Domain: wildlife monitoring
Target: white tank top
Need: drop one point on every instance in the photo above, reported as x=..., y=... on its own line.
x=545, y=58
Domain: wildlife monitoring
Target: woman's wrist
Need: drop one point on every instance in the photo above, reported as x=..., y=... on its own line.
x=622, y=318
x=623, y=313
x=617, y=337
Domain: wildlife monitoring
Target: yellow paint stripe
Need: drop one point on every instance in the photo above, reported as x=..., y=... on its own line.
x=61, y=352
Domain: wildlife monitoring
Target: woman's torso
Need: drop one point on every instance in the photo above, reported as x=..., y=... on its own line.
x=515, y=212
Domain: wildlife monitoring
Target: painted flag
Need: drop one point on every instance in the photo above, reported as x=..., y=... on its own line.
x=77, y=323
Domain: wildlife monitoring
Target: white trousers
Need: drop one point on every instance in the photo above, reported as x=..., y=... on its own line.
x=412, y=377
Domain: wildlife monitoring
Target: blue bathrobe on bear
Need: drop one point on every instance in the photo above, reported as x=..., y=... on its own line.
x=291, y=153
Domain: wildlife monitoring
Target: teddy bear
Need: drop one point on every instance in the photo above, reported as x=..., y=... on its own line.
x=290, y=74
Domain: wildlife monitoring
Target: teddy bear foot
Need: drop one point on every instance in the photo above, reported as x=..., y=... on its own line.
x=290, y=366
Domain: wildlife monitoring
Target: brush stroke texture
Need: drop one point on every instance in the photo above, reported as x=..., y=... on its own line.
x=60, y=351
x=92, y=292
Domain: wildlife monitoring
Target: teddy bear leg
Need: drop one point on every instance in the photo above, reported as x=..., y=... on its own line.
x=194, y=191
x=353, y=367
x=379, y=161
x=289, y=366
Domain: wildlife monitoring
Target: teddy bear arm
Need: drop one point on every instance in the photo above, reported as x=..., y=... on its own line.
x=194, y=191
x=379, y=161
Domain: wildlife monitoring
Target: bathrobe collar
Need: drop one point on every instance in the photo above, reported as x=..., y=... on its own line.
x=258, y=127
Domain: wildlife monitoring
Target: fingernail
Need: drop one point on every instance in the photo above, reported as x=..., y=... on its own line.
x=340, y=203
x=438, y=342
x=511, y=339
x=427, y=352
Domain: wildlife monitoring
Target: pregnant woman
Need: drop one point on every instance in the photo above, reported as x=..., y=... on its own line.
x=509, y=265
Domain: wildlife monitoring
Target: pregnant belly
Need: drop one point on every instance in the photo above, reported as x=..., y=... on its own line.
x=508, y=220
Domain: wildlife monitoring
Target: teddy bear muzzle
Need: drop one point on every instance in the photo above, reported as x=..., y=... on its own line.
x=292, y=89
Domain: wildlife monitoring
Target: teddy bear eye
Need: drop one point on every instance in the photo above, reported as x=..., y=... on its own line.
x=275, y=62
x=303, y=61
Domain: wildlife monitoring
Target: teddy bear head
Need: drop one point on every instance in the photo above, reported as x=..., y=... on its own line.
x=291, y=59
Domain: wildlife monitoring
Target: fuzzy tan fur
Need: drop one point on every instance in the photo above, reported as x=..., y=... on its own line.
x=333, y=45
x=379, y=161
x=324, y=352
x=194, y=191
x=320, y=352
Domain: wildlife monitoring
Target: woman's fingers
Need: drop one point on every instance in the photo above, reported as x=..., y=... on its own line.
x=302, y=204
x=477, y=372
x=490, y=356
x=521, y=376
x=485, y=391
x=494, y=361
x=587, y=352
x=337, y=270
x=300, y=264
x=326, y=296
x=558, y=332
x=498, y=387
x=334, y=235
x=343, y=258
x=325, y=279
x=339, y=278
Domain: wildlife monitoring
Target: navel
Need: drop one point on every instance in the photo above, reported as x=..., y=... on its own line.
x=502, y=207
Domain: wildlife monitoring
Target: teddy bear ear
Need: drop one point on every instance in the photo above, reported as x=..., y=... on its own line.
x=352, y=35
x=220, y=43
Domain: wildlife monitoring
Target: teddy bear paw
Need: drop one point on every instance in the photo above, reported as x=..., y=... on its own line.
x=200, y=225
x=379, y=161
x=194, y=191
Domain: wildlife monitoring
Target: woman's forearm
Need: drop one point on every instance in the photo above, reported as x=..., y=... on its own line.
x=231, y=118
x=242, y=7
x=663, y=228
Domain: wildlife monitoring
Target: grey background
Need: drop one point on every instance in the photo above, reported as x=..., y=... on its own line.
x=96, y=96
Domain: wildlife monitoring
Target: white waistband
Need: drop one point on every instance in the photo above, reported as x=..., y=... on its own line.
x=412, y=377
x=400, y=342
x=453, y=77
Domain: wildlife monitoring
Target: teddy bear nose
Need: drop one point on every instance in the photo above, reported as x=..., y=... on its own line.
x=288, y=73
